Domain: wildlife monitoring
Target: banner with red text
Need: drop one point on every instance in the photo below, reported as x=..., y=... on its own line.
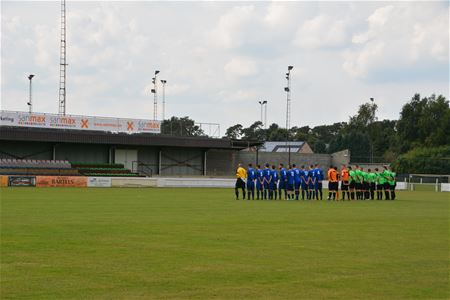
x=41, y=120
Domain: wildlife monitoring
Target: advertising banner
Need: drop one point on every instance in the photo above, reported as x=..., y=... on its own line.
x=401, y=186
x=134, y=182
x=22, y=181
x=3, y=181
x=61, y=181
x=99, y=182
x=25, y=119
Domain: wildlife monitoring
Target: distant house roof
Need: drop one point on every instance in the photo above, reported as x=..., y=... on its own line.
x=283, y=146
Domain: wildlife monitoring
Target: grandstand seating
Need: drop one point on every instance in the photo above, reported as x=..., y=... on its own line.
x=61, y=168
x=10, y=166
x=110, y=170
x=32, y=163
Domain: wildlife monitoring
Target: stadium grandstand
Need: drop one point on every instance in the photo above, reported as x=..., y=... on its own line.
x=28, y=149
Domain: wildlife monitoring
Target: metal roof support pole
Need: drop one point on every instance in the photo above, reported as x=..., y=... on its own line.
x=204, y=161
x=159, y=161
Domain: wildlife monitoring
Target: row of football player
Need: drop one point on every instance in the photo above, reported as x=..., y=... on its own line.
x=356, y=184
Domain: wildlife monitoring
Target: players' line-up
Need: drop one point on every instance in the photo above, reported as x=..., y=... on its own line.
x=291, y=182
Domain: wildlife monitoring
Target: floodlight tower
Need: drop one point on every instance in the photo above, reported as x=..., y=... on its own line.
x=30, y=102
x=262, y=103
x=163, y=81
x=288, y=109
x=62, y=62
x=155, y=96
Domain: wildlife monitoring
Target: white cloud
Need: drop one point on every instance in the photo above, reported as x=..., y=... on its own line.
x=399, y=38
x=278, y=14
x=358, y=63
x=240, y=66
x=229, y=32
x=322, y=31
x=221, y=58
x=376, y=23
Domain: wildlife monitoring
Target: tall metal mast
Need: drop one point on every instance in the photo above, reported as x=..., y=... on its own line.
x=62, y=62
x=155, y=95
x=164, y=99
x=288, y=110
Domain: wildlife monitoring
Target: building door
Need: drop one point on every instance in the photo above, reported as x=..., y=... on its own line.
x=127, y=157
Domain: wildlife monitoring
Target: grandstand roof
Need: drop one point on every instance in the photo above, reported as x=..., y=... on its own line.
x=9, y=133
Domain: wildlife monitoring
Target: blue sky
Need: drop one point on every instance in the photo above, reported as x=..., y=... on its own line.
x=221, y=58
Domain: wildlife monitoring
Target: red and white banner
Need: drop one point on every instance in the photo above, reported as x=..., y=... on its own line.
x=40, y=120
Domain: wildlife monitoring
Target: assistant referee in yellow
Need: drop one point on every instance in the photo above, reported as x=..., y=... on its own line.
x=241, y=176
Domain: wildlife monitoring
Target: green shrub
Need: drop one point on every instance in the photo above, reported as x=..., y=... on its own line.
x=424, y=161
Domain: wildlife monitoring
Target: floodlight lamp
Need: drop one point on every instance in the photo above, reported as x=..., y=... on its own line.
x=290, y=67
x=286, y=89
x=264, y=102
x=153, y=91
x=156, y=72
x=30, y=76
x=164, y=81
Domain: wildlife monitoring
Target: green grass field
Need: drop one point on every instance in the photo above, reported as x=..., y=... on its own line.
x=203, y=244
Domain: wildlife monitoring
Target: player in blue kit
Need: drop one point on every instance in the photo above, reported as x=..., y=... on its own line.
x=251, y=179
x=267, y=180
x=283, y=181
x=311, y=183
x=296, y=181
x=259, y=183
x=290, y=183
x=304, y=182
x=318, y=172
x=273, y=186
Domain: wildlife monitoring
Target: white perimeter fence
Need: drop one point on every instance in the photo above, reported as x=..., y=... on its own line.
x=204, y=182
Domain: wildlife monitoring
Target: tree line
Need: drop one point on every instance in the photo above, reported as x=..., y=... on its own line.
x=419, y=141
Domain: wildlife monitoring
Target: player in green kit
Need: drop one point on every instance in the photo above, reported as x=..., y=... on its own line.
x=372, y=178
x=392, y=183
x=359, y=181
x=379, y=185
x=352, y=184
x=365, y=184
x=386, y=187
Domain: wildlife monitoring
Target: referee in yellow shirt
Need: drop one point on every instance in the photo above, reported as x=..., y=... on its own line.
x=241, y=176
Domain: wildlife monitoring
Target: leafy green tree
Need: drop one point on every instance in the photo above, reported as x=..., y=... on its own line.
x=366, y=115
x=320, y=147
x=181, y=127
x=382, y=137
x=435, y=122
x=424, y=122
x=254, y=131
x=276, y=133
x=301, y=134
x=234, y=132
x=430, y=160
x=408, y=125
